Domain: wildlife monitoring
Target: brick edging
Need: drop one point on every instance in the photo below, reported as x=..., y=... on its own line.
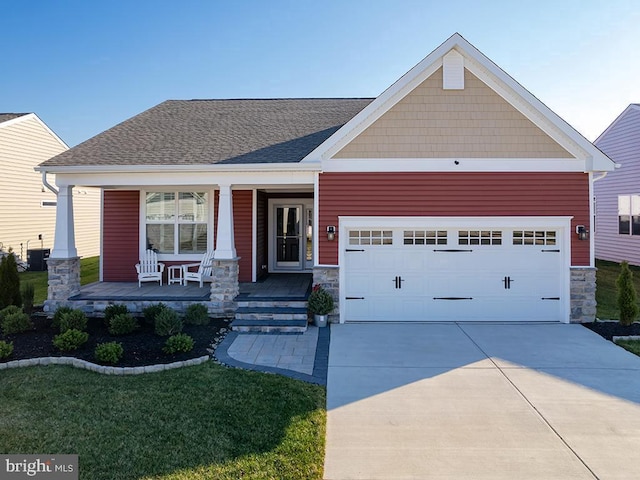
x=103, y=369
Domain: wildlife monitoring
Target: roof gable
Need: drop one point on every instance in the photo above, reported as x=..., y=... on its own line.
x=9, y=119
x=494, y=78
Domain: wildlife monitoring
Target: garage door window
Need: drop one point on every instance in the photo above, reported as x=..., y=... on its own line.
x=534, y=237
x=370, y=237
x=425, y=237
x=479, y=237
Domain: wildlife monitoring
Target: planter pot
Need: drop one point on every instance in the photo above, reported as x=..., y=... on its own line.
x=320, y=320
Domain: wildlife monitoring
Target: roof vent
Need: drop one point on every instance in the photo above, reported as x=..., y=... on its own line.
x=453, y=71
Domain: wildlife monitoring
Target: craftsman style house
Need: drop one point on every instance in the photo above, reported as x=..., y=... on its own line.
x=454, y=195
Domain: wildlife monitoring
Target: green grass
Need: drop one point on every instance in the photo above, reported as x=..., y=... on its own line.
x=203, y=422
x=89, y=268
x=631, y=345
x=606, y=291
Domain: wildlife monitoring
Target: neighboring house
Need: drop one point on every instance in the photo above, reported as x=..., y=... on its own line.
x=27, y=208
x=454, y=195
x=617, y=231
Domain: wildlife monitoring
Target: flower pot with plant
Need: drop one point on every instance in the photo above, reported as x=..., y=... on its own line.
x=320, y=303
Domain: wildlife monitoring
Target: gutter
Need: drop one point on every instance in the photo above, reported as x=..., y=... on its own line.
x=46, y=183
x=266, y=167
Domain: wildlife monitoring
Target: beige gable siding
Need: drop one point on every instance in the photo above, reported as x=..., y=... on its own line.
x=434, y=123
x=23, y=145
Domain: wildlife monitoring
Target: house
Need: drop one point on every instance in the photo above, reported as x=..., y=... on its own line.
x=617, y=231
x=454, y=195
x=27, y=208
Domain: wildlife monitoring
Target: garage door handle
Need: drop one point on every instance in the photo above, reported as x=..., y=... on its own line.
x=354, y=298
x=453, y=298
x=550, y=298
x=556, y=251
x=453, y=250
x=355, y=250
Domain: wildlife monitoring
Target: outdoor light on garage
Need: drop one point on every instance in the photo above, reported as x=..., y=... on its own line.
x=583, y=233
x=331, y=232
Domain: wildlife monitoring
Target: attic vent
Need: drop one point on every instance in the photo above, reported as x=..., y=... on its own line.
x=453, y=71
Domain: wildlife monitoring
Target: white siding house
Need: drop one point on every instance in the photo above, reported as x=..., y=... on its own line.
x=27, y=208
x=617, y=234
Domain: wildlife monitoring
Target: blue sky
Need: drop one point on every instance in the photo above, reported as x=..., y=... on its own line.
x=84, y=66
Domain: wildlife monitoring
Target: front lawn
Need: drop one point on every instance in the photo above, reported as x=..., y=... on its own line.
x=606, y=291
x=631, y=345
x=203, y=422
x=89, y=268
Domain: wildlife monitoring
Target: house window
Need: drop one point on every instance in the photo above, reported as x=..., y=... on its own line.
x=629, y=214
x=176, y=222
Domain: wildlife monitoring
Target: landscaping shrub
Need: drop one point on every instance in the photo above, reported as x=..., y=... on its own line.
x=168, y=323
x=109, y=352
x=627, y=296
x=73, y=320
x=178, y=343
x=60, y=311
x=70, y=340
x=8, y=311
x=320, y=301
x=28, y=294
x=152, y=311
x=113, y=310
x=196, y=314
x=122, y=324
x=9, y=281
x=17, y=322
x=6, y=349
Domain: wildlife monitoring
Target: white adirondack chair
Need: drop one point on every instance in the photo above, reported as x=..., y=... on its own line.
x=198, y=272
x=149, y=269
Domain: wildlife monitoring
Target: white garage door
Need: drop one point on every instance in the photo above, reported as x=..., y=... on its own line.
x=454, y=274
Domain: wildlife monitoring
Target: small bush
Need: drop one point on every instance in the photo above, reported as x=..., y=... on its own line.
x=178, y=343
x=627, y=295
x=196, y=314
x=11, y=309
x=9, y=281
x=152, y=311
x=168, y=323
x=17, y=322
x=73, y=320
x=109, y=352
x=122, y=324
x=60, y=311
x=320, y=301
x=28, y=294
x=6, y=349
x=70, y=340
x=113, y=310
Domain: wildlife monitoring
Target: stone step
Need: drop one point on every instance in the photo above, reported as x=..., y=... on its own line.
x=269, y=303
x=271, y=313
x=270, y=318
x=269, y=326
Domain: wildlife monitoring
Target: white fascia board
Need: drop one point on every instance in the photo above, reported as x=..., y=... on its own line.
x=452, y=222
x=292, y=179
x=213, y=168
x=450, y=165
x=33, y=116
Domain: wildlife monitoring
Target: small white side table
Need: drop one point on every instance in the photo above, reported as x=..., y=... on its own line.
x=175, y=274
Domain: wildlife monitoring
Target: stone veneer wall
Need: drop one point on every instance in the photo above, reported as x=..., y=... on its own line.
x=583, y=294
x=329, y=279
x=64, y=281
x=224, y=288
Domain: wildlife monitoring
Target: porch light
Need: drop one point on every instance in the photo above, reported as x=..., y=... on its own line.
x=331, y=233
x=583, y=233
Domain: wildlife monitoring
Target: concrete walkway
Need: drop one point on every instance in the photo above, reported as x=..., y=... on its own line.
x=480, y=401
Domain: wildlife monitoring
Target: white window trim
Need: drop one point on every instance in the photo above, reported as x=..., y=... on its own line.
x=143, y=224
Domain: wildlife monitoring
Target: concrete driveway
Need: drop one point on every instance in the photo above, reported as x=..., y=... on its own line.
x=480, y=401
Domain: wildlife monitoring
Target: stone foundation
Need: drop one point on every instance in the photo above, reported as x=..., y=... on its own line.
x=224, y=288
x=64, y=281
x=583, y=294
x=329, y=279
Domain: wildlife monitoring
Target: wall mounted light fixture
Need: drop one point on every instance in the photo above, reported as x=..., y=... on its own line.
x=331, y=232
x=583, y=233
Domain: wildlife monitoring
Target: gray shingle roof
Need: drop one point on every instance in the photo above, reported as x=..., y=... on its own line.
x=202, y=132
x=10, y=116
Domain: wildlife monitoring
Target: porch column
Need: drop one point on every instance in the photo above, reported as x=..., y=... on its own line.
x=224, y=284
x=225, y=243
x=64, y=242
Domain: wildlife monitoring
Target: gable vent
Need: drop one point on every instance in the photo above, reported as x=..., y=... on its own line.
x=453, y=71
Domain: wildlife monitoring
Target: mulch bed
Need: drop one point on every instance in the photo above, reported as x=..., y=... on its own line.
x=609, y=329
x=141, y=348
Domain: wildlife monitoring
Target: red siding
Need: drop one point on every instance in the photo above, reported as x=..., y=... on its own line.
x=121, y=226
x=454, y=194
x=243, y=231
x=261, y=234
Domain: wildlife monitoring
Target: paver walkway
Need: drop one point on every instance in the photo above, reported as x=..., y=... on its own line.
x=480, y=401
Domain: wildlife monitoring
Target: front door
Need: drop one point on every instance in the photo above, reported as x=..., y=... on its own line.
x=290, y=240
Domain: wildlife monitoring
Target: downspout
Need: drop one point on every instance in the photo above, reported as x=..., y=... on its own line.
x=47, y=184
